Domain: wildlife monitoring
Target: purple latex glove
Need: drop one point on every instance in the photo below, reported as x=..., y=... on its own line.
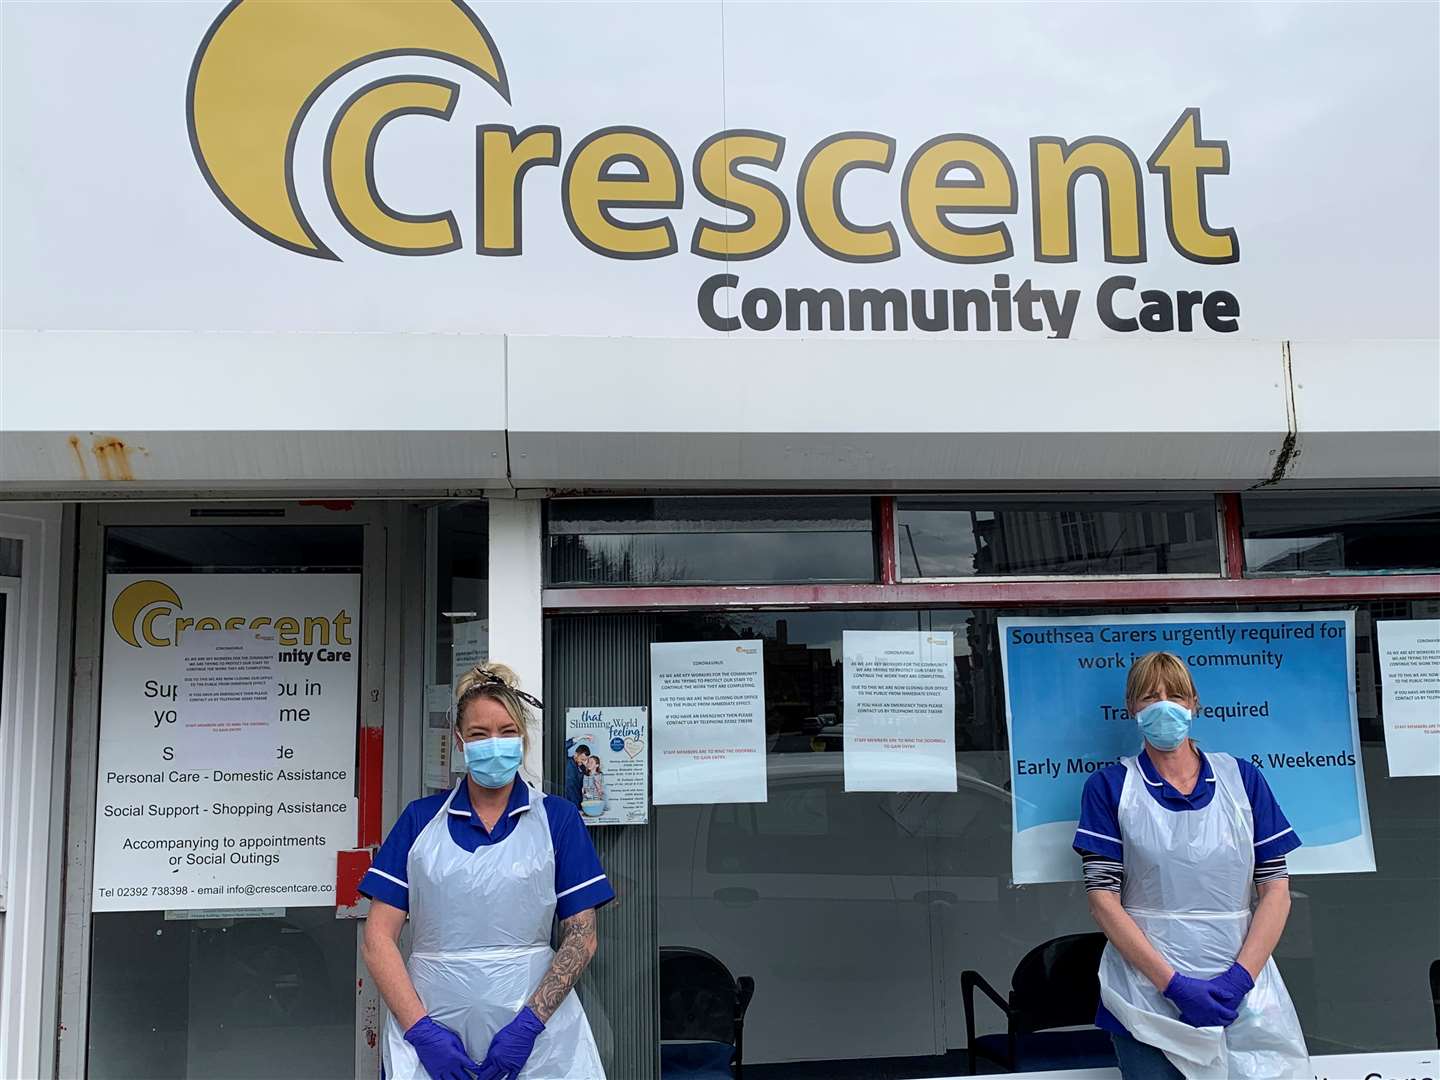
x=512, y=1046
x=1230, y=987
x=440, y=1050
x=1198, y=1003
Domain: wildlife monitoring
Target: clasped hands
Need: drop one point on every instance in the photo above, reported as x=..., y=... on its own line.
x=444, y=1057
x=1210, y=1002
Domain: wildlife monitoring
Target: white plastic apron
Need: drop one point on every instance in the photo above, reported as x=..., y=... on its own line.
x=1189, y=885
x=480, y=944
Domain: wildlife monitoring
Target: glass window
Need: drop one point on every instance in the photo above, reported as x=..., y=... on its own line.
x=10, y=549
x=1351, y=532
x=232, y=549
x=856, y=912
x=196, y=993
x=1010, y=536
x=709, y=540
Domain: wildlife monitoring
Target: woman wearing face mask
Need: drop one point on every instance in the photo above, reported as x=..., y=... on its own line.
x=1184, y=864
x=482, y=871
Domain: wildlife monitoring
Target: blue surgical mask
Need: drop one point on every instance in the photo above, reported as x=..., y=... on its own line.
x=494, y=762
x=1165, y=724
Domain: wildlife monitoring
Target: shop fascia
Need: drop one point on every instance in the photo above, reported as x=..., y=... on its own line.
x=948, y=176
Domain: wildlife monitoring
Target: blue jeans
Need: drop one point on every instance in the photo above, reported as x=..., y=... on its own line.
x=1141, y=1061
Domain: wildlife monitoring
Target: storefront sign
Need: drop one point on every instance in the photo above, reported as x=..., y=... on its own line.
x=815, y=169
x=1410, y=688
x=1276, y=690
x=899, y=710
x=709, y=706
x=215, y=791
x=608, y=750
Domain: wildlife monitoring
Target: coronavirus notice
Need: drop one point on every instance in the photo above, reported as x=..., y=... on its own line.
x=228, y=709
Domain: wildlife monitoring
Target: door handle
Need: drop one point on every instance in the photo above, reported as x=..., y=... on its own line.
x=737, y=897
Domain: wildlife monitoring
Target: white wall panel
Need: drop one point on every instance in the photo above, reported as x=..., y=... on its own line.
x=893, y=413
x=1366, y=411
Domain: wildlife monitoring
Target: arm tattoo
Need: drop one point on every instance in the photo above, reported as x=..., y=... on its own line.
x=577, y=946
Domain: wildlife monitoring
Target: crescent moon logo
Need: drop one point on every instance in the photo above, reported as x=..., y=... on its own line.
x=135, y=598
x=263, y=64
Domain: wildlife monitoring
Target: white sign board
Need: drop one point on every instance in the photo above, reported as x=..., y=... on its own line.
x=900, y=710
x=708, y=699
x=927, y=171
x=1410, y=689
x=213, y=791
x=609, y=751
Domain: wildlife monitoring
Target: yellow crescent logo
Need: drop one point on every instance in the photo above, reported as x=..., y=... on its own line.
x=134, y=599
x=263, y=64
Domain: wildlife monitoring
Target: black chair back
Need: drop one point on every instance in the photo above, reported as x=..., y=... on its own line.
x=698, y=997
x=1057, y=984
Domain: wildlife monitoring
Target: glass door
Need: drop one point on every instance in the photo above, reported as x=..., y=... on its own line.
x=216, y=786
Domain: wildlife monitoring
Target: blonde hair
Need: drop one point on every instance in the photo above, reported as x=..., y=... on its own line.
x=1159, y=671
x=480, y=682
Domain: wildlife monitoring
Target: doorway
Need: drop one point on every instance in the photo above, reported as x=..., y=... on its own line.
x=202, y=935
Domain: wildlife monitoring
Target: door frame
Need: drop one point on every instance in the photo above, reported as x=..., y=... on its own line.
x=35, y=648
x=380, y=706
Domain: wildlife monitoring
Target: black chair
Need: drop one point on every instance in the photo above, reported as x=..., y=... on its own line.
x=702, y=1016
x=1055, y=985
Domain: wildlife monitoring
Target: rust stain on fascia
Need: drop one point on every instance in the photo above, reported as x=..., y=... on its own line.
x=74, y=441
x=113, y=457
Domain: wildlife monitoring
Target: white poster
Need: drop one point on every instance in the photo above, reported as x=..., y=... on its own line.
x=1410, y=693
x=709, y=707
x=607, y=764
x=214, y=791
x=437, y=737
x=900, y=710
x=228, y=702
x=471, y=648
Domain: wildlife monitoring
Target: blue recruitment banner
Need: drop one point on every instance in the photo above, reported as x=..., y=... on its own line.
x=1276, y=689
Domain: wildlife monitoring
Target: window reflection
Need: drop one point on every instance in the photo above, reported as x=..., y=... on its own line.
x=677, y=541
x=946, y=537
x=856, y=912
x=1341, y=532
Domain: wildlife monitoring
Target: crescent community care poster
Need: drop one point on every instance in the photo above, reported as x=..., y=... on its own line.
x=228, y=711
x=1277, y=689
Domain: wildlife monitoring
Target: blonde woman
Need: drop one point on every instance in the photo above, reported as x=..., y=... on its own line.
x=482, y=871
x=1176, y=845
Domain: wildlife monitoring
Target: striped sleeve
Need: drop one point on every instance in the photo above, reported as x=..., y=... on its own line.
x=1271, y=870
x=1101, y=874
